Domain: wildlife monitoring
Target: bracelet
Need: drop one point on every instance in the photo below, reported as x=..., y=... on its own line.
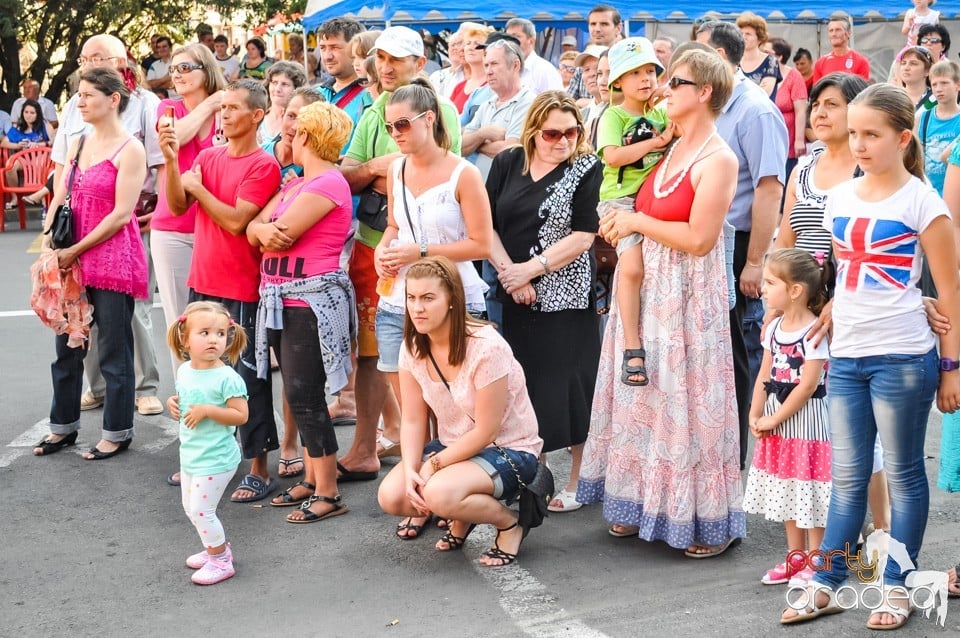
x=752, y=265
x=435, y=463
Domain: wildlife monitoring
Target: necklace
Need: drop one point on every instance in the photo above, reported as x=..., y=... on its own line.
x=658, y=191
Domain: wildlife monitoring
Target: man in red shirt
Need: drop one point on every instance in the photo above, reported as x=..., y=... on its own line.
x=232, y=184
x=842, y=59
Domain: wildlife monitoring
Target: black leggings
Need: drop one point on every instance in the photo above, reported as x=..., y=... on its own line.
x=297, y=347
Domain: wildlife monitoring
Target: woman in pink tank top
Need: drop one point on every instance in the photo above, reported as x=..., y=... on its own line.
x=103, y=179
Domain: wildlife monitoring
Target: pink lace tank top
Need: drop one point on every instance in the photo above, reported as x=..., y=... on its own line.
x=120, y=263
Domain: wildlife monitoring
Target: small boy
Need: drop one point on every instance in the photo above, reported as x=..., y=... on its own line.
x=938, y=127
x=631, y=137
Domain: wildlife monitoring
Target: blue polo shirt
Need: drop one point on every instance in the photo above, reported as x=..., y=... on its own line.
x=753, y=127
x=354, y=108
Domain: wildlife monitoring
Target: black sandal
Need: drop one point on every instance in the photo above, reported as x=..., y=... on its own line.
x=454, y=542
x=496, y=552
x=311, y=517
x=98, y=455
x=49, y=447
x=287, y=499
x=627, y=370
x=410, y=527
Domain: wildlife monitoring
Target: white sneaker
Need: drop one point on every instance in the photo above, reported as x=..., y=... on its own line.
x=217, y=568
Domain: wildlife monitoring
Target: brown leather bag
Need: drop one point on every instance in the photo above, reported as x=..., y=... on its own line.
x=606, y=256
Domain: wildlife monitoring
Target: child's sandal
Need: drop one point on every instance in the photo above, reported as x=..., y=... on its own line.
x=627, y=370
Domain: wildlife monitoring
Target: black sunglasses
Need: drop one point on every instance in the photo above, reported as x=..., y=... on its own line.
x=551, y=135
x=930, y=40
x=183, y=68
x=675, y=82
x=402, y=125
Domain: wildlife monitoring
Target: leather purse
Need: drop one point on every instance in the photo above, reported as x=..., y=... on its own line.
x=61, y=228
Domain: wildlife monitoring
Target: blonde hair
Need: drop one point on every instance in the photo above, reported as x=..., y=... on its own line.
x=541, y=108
x=327, y=128
x=946, y=68
x=474, y=29
x=707, y=68
x=362, y=43
x=179, y=329
x=568, y=55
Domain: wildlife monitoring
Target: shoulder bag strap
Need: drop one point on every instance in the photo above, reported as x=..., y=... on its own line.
x=924, y=123
x=347, y=97
x=406, y=210
x=73, y=168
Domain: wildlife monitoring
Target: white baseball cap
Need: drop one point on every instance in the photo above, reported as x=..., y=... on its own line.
x=569, y=41
x=399, y=42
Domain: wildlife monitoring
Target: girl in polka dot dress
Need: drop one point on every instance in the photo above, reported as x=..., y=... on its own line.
x=789, y=477
x=211, y=400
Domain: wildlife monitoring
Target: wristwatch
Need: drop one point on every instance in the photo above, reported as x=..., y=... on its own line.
x=543, y=262
x=947, y=365
x=423, y=251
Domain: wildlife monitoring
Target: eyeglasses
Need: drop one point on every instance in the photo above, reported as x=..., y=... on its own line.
x=930, y=40
x=676, y=82
x=567, y=68
x=402, y=125
x=95, y=59
x=183, y=68
x=552, y=135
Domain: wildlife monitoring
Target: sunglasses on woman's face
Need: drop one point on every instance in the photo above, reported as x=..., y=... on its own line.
x=183, y=68
x=552, y=135
x=402, y=124
x=676, y=82
x=930, y=40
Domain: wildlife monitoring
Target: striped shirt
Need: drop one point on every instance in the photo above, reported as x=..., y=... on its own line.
x=806, y=217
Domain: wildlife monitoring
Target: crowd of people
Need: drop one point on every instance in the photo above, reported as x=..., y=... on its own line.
x=424, y=249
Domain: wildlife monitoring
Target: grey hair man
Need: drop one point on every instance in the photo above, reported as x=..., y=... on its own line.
x=538, y=75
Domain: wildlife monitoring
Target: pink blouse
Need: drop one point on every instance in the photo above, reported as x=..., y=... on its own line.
x=489, y=358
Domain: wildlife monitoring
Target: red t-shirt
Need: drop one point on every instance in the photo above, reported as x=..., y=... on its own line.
x=852, y=62
x=163, y=219
x=226, y=265
x=316, y=251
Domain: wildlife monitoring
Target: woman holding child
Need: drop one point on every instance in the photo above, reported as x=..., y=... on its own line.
x=664, y=458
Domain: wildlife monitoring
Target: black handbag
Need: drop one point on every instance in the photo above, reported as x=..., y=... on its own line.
x=372, y=209
x=61, y=228
x=535, y=495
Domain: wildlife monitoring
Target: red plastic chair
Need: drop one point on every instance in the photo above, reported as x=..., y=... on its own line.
x=35, y=164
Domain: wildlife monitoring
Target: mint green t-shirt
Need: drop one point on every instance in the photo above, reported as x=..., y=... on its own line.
x=209, y=448
x=625, y=181
x=370, y=140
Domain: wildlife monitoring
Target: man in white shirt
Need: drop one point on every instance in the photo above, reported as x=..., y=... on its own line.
x=158, y=77
x=538, y=75
x=498, y=122
x=31, y=91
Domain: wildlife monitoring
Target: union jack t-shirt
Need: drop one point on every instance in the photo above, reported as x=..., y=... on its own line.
x=877, y=307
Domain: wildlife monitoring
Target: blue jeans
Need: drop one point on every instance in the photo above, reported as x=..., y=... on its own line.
x=889, y=394
x=112, y=314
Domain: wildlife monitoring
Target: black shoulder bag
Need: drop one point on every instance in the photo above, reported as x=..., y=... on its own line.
x=535, y=495
x=372, y=206
x=61, y=228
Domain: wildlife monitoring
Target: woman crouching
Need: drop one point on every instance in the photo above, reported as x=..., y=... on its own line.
x=466, y=373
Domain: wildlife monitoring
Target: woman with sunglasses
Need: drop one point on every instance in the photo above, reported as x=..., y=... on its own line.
x=436, y=206
x=544, y=197
x=665, y=461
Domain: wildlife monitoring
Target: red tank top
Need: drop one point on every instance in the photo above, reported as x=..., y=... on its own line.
x=675, y=207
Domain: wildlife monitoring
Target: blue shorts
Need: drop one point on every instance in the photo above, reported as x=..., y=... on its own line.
x=505, y=484
x=389, y=327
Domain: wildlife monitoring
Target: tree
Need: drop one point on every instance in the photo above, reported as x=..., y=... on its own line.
x=58, y=29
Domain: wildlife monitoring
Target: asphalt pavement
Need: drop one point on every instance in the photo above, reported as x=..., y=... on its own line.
x=97, y=548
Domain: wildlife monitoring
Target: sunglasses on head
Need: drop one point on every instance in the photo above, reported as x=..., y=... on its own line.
x=402, y=124
x=676, y=82
x=183, y=68
x=552, y=135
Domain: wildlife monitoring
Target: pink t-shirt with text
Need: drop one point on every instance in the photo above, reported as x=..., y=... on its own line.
x=316, y=251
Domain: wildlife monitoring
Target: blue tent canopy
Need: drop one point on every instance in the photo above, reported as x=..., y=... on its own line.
x=569, y=13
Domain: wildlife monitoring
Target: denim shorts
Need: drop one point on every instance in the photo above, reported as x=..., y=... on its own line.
x=505, y=484
x=390, y=338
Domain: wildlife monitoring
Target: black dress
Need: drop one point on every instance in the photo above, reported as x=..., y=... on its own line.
x=557, y=341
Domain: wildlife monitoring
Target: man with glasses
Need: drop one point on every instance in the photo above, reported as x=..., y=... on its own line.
x=753, y=127
x=841, y=59
x=140, y=120
x=538, y=75
x=399, y=59
x=498, y=122
x=158, y=77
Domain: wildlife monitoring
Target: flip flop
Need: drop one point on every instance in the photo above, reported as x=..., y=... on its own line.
x=715, y=550
x=347, y=476
x=626, y=532
x=286, y=463
x=261, y=489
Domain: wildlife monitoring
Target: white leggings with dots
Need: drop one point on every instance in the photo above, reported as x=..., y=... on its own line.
x=201, y=495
